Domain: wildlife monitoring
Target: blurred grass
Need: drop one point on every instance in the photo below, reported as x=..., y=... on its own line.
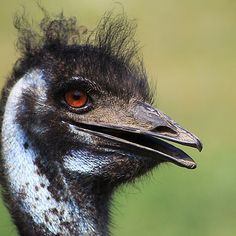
x=189, y=47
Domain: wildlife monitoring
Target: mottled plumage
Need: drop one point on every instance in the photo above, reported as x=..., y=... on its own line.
x=60, y=164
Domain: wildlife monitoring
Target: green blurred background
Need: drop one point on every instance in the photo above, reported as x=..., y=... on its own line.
x=189, y=48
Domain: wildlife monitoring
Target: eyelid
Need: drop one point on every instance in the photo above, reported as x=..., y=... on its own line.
x=79, y=83
x=83, y=80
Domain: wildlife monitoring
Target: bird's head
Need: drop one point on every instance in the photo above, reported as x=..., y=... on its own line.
x=86, y=107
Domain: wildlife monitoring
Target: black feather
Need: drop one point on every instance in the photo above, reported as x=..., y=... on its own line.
x=108, y=54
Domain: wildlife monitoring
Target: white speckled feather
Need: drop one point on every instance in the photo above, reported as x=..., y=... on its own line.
x=22, y=170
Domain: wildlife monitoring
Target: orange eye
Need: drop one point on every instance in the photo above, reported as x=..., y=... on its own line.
x=76, y=98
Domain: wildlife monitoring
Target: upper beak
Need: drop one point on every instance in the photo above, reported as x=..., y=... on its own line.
x=149, y=127
x=164, y=127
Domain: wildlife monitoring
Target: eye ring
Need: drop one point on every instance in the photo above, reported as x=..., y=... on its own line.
x=76, y=98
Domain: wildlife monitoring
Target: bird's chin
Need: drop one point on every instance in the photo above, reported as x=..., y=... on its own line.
x=109, y=164
x=129, y=161
x=127, y=167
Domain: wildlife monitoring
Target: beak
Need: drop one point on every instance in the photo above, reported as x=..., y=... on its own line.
x=150, y=127
x=164, y=127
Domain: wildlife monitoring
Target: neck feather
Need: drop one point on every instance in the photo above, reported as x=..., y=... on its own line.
x=34, y=198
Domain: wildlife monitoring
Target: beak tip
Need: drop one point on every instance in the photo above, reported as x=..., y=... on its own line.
x=190, y=164
x=193, y=167
x=199, y=145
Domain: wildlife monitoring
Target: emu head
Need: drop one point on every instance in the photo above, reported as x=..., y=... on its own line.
x=85, y=106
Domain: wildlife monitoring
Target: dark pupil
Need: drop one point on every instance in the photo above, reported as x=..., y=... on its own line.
x=77, y=95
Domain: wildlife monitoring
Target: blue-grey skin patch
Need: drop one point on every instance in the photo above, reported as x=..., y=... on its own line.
x=83, y=162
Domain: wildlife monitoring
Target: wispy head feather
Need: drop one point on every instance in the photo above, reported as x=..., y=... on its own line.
x=113, y=37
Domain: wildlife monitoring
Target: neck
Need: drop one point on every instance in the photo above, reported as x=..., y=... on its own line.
x=45, y=204
x=50, y=206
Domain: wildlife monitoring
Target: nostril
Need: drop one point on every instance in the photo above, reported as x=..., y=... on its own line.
x=164, y=129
